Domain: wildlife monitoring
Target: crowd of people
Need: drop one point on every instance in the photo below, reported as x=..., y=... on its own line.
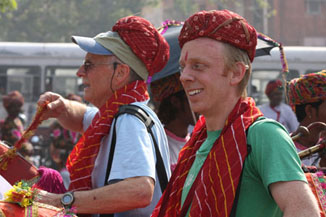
x=239, y=159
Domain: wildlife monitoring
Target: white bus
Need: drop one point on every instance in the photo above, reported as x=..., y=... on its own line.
x=33, y=68
x=301, y=60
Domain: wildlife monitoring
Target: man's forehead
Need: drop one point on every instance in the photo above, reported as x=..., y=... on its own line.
x=207, y=47
x=93, y=57
x=203, y=41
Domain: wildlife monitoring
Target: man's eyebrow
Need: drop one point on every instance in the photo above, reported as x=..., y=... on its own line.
x=192, y=59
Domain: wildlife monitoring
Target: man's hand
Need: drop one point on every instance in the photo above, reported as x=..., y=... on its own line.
x=69, y=113
x=55, y=107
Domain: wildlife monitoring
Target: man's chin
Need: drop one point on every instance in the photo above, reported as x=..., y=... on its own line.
x=87, y=97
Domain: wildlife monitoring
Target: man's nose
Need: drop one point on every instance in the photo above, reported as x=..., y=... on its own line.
x=81, y=71
x=186, y=75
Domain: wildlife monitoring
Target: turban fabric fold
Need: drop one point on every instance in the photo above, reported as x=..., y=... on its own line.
x=165, y=87
x=145, y=41
x=273, y=85
x=221, y=25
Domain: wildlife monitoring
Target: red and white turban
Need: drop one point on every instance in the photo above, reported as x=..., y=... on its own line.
x=222, y=25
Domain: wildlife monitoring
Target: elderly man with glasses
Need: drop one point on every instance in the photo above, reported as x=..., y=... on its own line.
x=115, y=67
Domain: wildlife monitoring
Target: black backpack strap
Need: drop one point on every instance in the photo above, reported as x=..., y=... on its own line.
x=147, y=120
x=108, y=169
x=113, y=141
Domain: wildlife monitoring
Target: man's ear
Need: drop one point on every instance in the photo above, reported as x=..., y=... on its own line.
x=237, y=73
x=121, y=75
x=311, y=112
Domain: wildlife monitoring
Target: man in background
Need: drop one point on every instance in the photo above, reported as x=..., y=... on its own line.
x=173, y=108
x=13, y=127
x=174, y=113
x=276, y=109
x=307, y=97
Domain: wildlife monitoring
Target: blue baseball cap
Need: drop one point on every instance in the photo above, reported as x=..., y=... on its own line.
x=110, y=43
x=90, y=45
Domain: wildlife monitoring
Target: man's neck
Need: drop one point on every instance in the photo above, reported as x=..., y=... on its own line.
x=216, y=119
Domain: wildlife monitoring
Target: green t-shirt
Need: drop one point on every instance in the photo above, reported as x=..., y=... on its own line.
x=201, y=156
x=273, y=158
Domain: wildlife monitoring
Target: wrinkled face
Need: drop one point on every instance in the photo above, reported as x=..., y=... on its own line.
x=276, y=97
x=97, y=73
x=203, y=75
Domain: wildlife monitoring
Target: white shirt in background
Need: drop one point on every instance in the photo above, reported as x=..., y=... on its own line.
x=175, y=145
x=281, y=113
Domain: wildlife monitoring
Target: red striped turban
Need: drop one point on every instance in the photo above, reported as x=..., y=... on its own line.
x=165, y=87
x=273, y=85
x=223, y=25
x=145, y=41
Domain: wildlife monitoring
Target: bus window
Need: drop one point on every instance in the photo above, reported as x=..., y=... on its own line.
x=62, y=80
x=24, y=79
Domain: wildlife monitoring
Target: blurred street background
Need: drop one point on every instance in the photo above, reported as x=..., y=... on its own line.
x=292, y=22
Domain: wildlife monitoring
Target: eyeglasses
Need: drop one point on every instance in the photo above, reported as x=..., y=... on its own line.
x=88, y=65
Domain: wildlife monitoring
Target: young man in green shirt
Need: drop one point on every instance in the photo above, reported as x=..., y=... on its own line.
x=236, y=162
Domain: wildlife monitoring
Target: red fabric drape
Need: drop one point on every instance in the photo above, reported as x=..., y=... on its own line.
x=81, y=160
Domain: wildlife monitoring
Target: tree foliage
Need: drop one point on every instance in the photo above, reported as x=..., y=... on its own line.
x=7, y=5
x=56, y=21
x=183, y=8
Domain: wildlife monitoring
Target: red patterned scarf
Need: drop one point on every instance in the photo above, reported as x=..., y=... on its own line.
x=81, y=161
x=214, y=189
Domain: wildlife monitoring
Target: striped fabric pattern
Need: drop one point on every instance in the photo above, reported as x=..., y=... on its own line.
x=308, y=88
x=214, y=189
x=81, y=160
x=166, y=86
